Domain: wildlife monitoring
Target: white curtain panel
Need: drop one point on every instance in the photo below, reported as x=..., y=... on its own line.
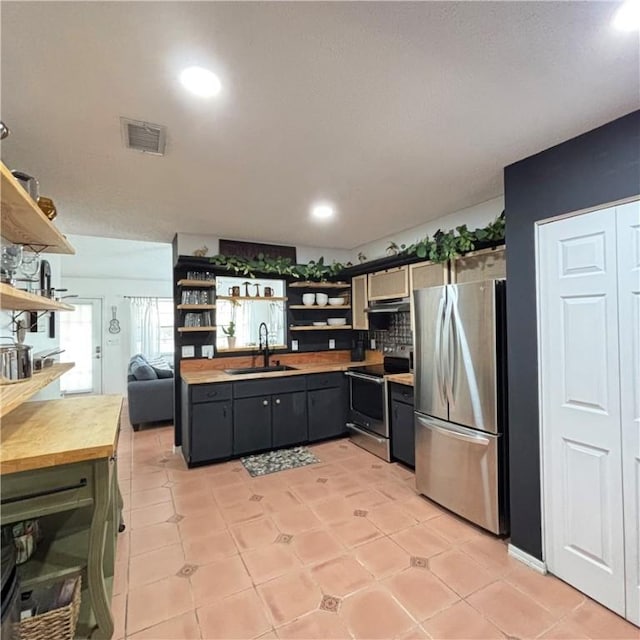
x=145, y=326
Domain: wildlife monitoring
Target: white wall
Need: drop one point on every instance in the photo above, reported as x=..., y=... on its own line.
x=477, y=216
x=188, y=243
x=40, y=340
x=110, y=270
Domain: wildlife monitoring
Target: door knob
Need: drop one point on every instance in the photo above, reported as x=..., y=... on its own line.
x=265, y=402
x=277, y=400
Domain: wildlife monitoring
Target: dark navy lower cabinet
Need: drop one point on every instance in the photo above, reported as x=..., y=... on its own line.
x=289, y=419
x=402, y=426
x=251, y=424
x=211, y=431
x=327, y=405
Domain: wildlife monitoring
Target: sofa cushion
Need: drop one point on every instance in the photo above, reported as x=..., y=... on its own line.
x=142, y=370
x=162, y=368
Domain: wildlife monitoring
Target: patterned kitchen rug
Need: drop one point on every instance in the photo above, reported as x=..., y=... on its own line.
x=272, y=461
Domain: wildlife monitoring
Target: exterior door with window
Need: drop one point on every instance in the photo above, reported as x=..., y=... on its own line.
x=81, y=339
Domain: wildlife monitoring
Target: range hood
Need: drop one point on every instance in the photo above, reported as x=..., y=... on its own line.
x=389, y=306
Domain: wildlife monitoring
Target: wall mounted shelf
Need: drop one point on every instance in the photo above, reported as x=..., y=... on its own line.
x=320, y=285
x=324, y=328
x=196, y=283
x=23, y=222
x=196, y=307
x=17, y=300
x=254, y=298
x=13, y=395
x=315, y=307
x=195, y=329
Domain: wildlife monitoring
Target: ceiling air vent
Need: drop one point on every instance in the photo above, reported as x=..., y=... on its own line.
x=144, y=136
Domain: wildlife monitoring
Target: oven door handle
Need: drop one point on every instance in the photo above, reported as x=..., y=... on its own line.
x=350, y=425
x=363, y=376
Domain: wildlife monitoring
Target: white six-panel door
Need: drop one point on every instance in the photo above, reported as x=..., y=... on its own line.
x=580, y=401
x=628, y=227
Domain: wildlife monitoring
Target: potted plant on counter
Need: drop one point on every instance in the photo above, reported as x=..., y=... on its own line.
x=230, y=332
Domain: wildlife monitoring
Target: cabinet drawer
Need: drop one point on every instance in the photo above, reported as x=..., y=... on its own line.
x=210, y=392
x=271, y=386
x=325, y=380
x=35, y=493
x=402, y=393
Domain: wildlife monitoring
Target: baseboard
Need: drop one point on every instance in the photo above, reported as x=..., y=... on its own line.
x=531, y=561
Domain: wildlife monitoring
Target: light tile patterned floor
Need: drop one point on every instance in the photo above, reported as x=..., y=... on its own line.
x=341, y=549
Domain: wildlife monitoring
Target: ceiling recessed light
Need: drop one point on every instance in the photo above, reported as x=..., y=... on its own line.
x=322, y=211
x=627, y=17
x=201, y=81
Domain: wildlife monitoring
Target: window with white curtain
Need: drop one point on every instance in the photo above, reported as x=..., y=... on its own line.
x=151, y=326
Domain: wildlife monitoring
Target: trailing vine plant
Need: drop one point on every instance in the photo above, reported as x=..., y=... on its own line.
x=443, y=246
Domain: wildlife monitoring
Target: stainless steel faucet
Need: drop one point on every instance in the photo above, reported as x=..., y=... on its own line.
x=264, y=348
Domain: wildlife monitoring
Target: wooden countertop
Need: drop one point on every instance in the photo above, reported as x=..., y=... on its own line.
x=204, y=377
x=401, y=378
x=56, y=432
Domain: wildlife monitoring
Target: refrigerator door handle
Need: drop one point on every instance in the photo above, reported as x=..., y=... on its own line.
x=454, y=342
x=454, y=433
x=447, y=332
x=439, y=350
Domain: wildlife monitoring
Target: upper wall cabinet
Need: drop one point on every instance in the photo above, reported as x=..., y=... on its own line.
x=427, y=274
x=388, y=284
x=23, y=222
x=359, y=303
x=479, y=265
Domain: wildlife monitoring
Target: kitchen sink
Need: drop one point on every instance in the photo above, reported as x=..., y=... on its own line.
x=277, y=367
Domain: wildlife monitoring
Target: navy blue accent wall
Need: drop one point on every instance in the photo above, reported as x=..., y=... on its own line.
x=596, y=168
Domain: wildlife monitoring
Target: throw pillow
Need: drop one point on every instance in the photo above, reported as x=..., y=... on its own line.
x=162, y=368
x=143, y=371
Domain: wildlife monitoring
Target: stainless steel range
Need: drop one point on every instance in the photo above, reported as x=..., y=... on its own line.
x=368, y=421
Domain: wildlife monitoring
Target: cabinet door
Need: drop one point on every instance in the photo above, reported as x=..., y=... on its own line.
x=251, y=424
x=390, y=283
x=327, y=413
x=480, y=265
x=211, y=431
x=423, y=275
x=359, y=302
x=289, y=418
x=427, y=274
x=403, y=446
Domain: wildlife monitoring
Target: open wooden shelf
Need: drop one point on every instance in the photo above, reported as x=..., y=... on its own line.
x=13, y=395
x=315, y=307
x=255, y=348
x=22, y=220
x=320, y=285
x=197, y=307
x=254, y=298
x=196, y=283
x=12, y=299
x=192, y=329
x=324, y=328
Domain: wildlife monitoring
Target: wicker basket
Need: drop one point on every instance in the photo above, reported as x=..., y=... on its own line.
x=58, y=624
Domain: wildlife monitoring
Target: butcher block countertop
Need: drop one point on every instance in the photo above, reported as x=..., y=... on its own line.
x=401, y=378
x=56, y=432
x=204, y=377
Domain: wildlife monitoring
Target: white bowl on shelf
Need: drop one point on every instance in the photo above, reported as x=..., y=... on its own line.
x=336, y=302
x=308, y=299
x=319, y=324
x=336, y=322
x=321, y=299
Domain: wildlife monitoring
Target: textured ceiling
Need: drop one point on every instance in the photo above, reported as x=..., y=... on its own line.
x=397, y=112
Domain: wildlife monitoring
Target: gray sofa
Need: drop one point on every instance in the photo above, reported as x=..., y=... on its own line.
x=150, y=397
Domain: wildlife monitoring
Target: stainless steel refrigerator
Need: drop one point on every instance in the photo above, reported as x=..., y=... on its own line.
x=460, y=399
